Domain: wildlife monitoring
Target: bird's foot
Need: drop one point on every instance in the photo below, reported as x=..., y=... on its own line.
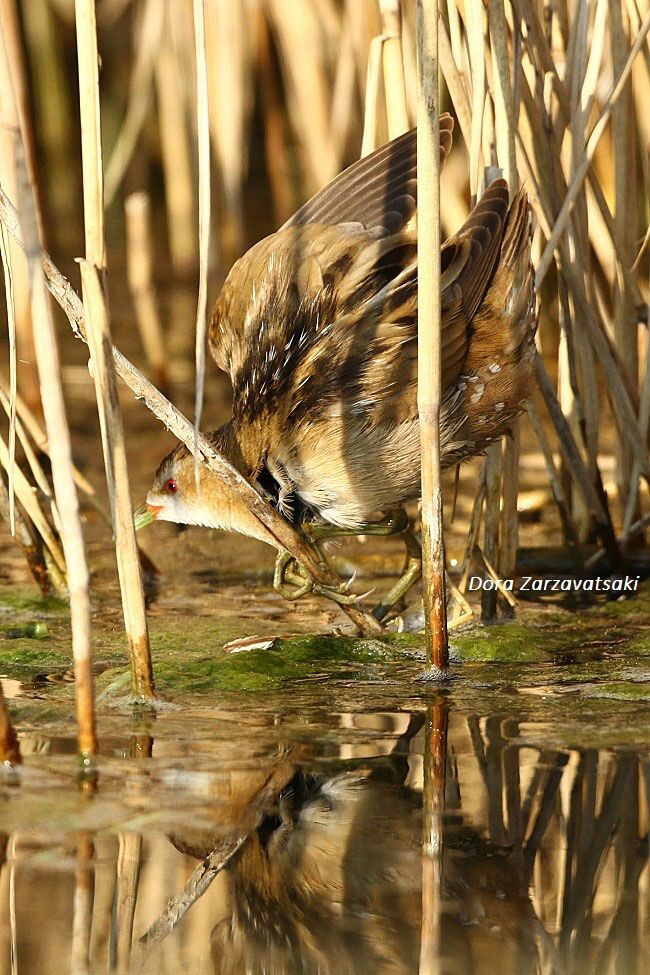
x=289, y=573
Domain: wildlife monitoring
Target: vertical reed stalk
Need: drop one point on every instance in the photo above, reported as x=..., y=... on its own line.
x=5, y=255
x=433, y=807
x=100, y=344
x=396, y=107
x=117, y=477
x=429, y=335
x=91, y=138
x=175, y=153
x=203, y=129
x=58, y=435
x=13, y=126
x=140, y=275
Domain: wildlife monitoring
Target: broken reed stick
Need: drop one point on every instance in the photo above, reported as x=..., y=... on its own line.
x=139, y=265
x=100, y=345
x=433, y=808
x=286, y=536
x=429, y=336
x=9, y=747
x=117, y=478
x=203, y=132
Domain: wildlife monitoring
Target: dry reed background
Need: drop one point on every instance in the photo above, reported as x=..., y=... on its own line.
x=555, y=95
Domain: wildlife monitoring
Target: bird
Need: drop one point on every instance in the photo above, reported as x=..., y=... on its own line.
x=316, y=325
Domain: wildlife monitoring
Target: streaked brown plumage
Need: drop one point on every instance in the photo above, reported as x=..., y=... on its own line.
x=317, y=327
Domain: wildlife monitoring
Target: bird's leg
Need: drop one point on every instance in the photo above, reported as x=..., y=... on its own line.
x=396, y=522
x=410, y=575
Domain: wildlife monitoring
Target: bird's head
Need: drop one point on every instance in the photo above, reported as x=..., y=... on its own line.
x=176, y=494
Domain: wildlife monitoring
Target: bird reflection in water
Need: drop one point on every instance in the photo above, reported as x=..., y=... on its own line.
x=330, y=882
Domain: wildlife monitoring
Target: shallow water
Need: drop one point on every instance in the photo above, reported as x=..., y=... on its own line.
x=311, y=753
x=319, y=772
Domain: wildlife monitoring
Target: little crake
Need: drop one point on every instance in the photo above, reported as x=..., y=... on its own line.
x=317, y=327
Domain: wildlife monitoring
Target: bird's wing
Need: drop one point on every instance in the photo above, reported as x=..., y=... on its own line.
x=364, y=362
x=379, y=191
x=324, y=318
x=377, y=194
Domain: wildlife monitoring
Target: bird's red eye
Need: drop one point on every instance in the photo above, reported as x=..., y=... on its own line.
x=171, y=486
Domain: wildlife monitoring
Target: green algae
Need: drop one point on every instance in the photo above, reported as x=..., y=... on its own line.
x=18, y=604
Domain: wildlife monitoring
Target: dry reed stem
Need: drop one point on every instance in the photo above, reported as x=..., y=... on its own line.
x=492, y=523
x=625, y=318
x=303, y=60
x=91, y=139
x=31, y=546
x=429, y=336
x=476, y=48
x=32, y=428
x=40, y=478
x=25, y=494
x=393, y=68
x=489, y=569
x=472, y=534
x=139, y=266
x=575, y=463
x=507, y=159
x=342, y=114
x=454, y=82
x=230, y=77
x=373, y=85
x=175, y=153
x=203, y=132
x=100, y=345
x=49, y=370
x=138, y=103
x=117, y=478
x=287, y=537
x=587, y=156
x=570, y=533
x=12, y=121
x=5, y=255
